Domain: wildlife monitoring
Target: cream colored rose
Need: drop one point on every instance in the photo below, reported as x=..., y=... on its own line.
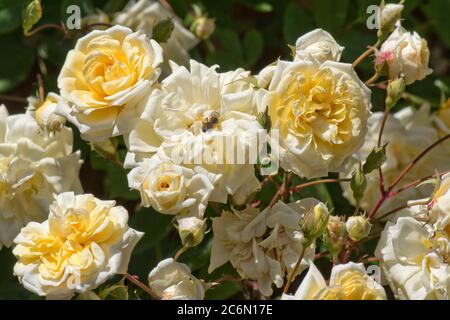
x=406, y=54
x=105, y=77
x=47, y=115
x=172, y=280
x=318, y=45
x=144, y=15
x=415, y=260
x=84, y=242
x=440, y=206
x=443, y=117
x=98, y=20
x=264, y=77
x=191, y=230
x=407, y=133
x=388, y=15
x=347, y=282
x=171, y=189
x=262, y=246
x=358, y=227
x=321, y=113
x=189, y=119
x=203, y=27
x=33, y=167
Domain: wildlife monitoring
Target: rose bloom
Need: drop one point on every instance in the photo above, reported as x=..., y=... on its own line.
x=105, y=77
x=33, y=167
x=388, y=15
x=415, y=259
x=46, y=115
x=171, y=189
x=407, y=133
x=172, y=280
x=440, y=206
x=262, y=246
x=84, y=242
x=264, y=77
x=320, y=111
x=318, y=45
x=144, y=15
x=443, y=117
x=406, y=54
x=192, y=114
x=347, y=282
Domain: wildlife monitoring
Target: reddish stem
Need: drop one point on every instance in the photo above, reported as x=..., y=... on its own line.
x=416, y=159
x=390, y=193
x=135, y=281
x=417, y=182
x=312, y=183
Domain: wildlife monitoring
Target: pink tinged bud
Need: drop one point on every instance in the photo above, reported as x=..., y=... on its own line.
x=384, y=56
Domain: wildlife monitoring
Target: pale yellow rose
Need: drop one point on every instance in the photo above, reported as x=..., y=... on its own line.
x=318, y=45
x=440, y=206
x=388, y=15
x=144, y=15
x=46, y=114
x=203, y=27
x=172, y=280
x=189, y=118
x=347, y=282
x=415, y=259
x=262, y=246
x=321, y=112
x=171, y=188
x=358, y=227
x=407, y=133
x=104, y=79
x=405, y=54
x=33, y=167
x=443, y=117
x=84, y=242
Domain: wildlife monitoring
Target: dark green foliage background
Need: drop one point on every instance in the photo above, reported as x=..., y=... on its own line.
x=249, y=34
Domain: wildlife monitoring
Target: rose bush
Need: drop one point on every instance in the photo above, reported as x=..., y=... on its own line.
x=240, y=151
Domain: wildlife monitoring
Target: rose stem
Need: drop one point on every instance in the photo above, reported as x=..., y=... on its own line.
x=365, y=54
x=294, y=271
x=135, y=281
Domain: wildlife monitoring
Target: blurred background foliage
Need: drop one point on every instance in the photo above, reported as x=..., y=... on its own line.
x=249, y=34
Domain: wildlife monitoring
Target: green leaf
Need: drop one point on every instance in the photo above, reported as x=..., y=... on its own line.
x=31, y=15
x=263, y=7
x=198, y=257
x=330, y=15
x=442, y=86
x=115, y=181
x=163, y=30
x=375, y=159
x=115, y=292
x=264, y=119
x=155, y=225
x=358, y=183
x=253, y=45
x=230, y=41
x=324, y=195
x=296, y=22
x=20, y=60
x=230, y=54
x=88, y=295
x=10, y=18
